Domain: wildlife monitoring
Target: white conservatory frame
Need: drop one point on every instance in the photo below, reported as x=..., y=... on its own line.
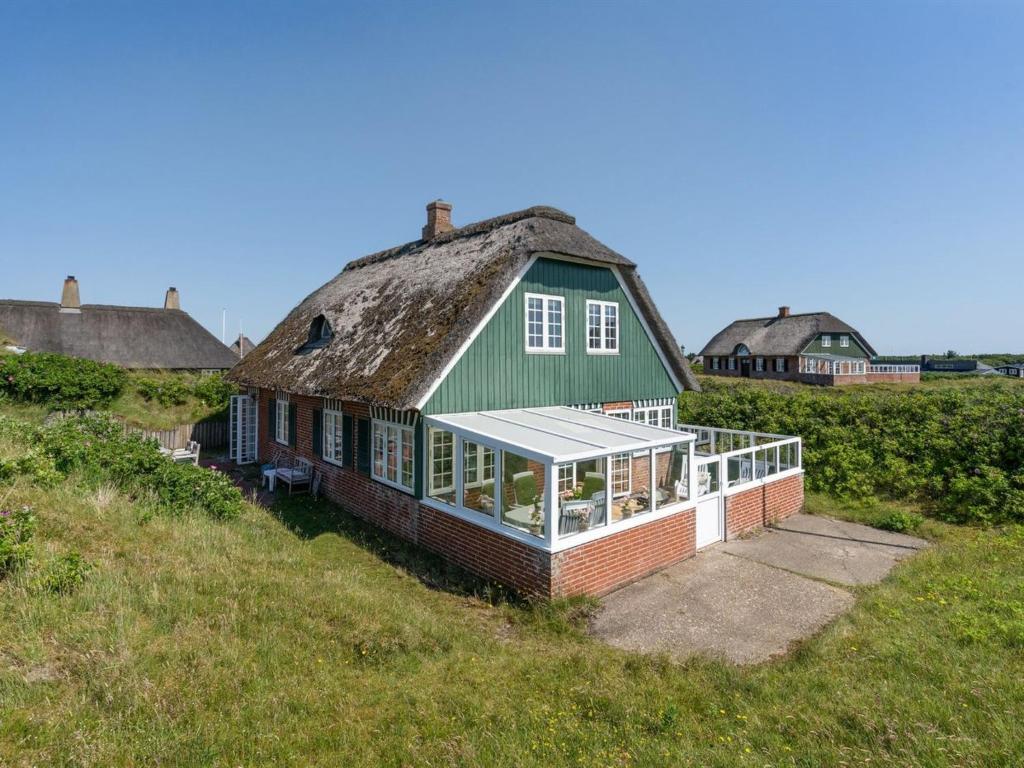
x=553, y=436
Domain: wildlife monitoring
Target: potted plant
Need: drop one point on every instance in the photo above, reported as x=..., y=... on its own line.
x=537, y=517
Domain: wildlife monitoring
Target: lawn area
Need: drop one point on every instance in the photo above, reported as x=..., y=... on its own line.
x=298, y=636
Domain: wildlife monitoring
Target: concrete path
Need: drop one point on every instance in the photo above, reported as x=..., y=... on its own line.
x=749, y=599
x=837, y=551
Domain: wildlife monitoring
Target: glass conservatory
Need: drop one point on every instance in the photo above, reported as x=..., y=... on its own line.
x=555, y=477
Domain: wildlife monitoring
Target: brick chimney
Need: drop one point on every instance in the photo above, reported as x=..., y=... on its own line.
x=783, y=311
x=69, y=300
x=172, y=300
x=439, y=219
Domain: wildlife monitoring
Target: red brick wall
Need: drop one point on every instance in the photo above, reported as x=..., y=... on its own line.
x=749, y=510
x=600, y=566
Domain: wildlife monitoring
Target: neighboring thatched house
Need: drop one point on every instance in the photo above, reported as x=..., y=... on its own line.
x=132, y=337
x=503, y=393
x=814, y=347
x=242, y=346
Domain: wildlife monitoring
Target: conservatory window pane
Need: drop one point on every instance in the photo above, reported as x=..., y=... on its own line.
x=441, y=466
x=522, y=488
x=478, y=490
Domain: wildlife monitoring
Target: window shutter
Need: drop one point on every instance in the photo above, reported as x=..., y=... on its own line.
x=318, y=433
x=272, y=419
x=363, y=446
x=292, y=419
x=346, y=440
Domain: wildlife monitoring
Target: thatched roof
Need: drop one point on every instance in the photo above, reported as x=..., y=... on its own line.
x=242, y=346
x=779, y=336
x=399, y=316
x=133, y=337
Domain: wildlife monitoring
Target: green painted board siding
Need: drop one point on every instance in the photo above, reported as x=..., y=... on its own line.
x=497, y=372
x=854, y=350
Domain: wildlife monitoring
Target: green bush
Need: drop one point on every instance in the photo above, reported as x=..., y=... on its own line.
x=168, y=391
x=900, y=522
x=214, y=391
x=959, y=449
x=66, y=383
x=17, y=527
x=98, y=449
x=64, y=574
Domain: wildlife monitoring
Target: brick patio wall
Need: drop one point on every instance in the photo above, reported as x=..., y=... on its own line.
x=598, y=567
x=895, y=378
x=752, y=509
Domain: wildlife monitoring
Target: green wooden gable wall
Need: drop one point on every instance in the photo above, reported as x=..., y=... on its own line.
x=497, y=372
x=854, y=350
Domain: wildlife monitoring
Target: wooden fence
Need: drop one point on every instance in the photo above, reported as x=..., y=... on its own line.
x=209, y=434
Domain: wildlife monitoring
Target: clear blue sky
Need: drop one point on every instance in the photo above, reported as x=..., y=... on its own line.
x=865, y=157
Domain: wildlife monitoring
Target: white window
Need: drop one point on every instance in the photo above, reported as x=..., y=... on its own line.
x=281, y=418
x=826, y=340
x=393, y=454
x=759, y=364
x=780, y=365
x=602, y=327
x=714, y=363
x=621, y=475
x=622, y=413
x=660, y=416
x=334, y=440
x=544, y=321
x=477, y=463
x=732, y=363
x=844, y=341
x=566, y=477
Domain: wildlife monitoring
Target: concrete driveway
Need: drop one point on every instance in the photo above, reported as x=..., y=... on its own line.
x=749, y=599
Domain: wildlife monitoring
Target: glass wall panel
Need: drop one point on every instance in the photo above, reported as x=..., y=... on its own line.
x=478, y=478
x=441, y=465
x=707, y=478
x=581, y=496
x=522, y=493
x=631, y=479
x=673, y=475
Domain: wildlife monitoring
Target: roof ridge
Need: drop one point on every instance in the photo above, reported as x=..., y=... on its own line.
x=57, y=305
x=776, y=317
x=467, y=230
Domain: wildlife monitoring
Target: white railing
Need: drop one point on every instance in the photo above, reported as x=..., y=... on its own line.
x=817, y=367
x=730, y=459
x=887, y=368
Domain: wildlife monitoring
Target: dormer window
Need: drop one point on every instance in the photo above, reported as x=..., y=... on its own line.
x=320, y=333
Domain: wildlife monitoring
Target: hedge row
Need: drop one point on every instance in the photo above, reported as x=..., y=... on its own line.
x=99, y=451
x=961, y=450
x=63, y=383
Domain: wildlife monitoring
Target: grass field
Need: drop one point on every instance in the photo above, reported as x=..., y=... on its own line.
x=299, y=637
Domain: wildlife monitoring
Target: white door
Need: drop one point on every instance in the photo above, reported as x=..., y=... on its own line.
x=243, y=429
x=709, y=520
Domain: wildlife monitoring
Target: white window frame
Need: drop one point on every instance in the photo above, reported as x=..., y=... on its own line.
x=331, y=451
x=281, y=418
x=546, y=313
x=621, y=413
x=826, y=340
x=780, y=365
x=608, y=343
x=619, y=457
x=759, y=365
x=732, y=363
x=844, y=340
x=480, y=476
x=403, y=433
x=662, y=416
